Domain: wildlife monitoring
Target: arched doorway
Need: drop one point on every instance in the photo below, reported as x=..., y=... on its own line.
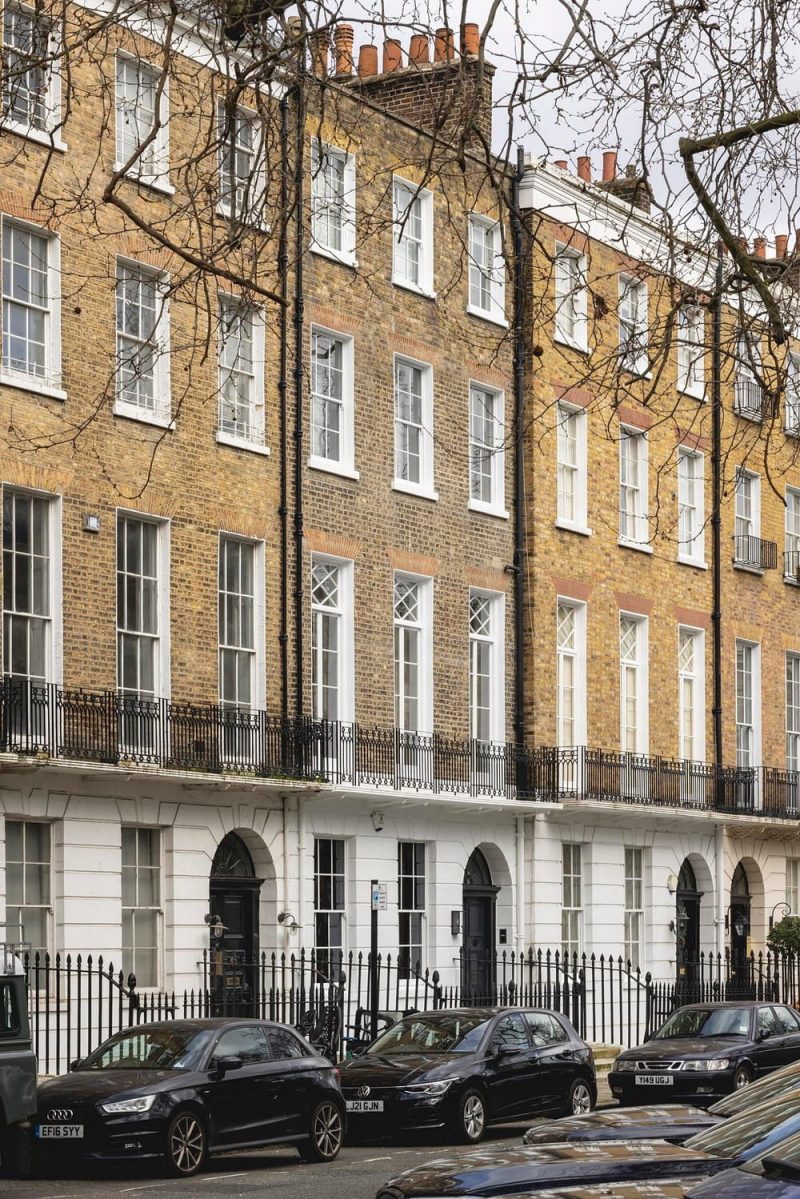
x=739, y=929
x=687, y=929
x=478, y=962
x=233, y=928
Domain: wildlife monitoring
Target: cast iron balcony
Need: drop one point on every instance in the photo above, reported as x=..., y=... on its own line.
x=750, y=400
x=754, y=552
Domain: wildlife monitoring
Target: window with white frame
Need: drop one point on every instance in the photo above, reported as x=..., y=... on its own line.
x=570, y=287
x=412, y=654
x=793, y=714
x=633, y=498
x=633, y=698
x=329, y=904
x=331, y=639
x=141, y=904
x=747, y=704
x=571, y=898
x=29, y=883
x=633, y=321
x=791, y=558
x=240, y=600
x=28, y=647
x=634, y=906
x=31, y=81
x=240, y=136
x=691, y=513
x=142, y=344
x=571, y=468
x=747, y=522
x=413, y=426
x=139, y=112
x=142, y=628
x=31, y=306
x=412, y=260
x=487, y=278
x=792, y=411
x=691, y=695
x=748, y=394
x=333, y=218
x=486, y=449
x=570, y=673
x=793, y=885
x=411, y=907
x=691, y=346
x=332, y=417
x=486, y=682
x=240, y=350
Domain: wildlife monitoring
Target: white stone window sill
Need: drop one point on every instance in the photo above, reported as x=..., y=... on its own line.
x=693, y=394
x=131, y=412
x=332, y=468
x=755, y=418
x=486, y=315
x=637, y=372
x=488, y=509
x=697, y=563
x=792, y=430
x=156, y=183
x=422, y=493
x=32, y=384
x=569, y=527
x=415, y=287
x=791, y=581
x=747, y=568
x=241, y=443
x=251, y=222
x=581, y=347
x=641, y=546
x=40, y=136
x=343, y=257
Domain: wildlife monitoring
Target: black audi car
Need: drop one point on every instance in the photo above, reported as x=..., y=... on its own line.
x=182, y=1089
x=465, y=1068
x=705, y=1051
x=529, y=1169
x=674, y=1122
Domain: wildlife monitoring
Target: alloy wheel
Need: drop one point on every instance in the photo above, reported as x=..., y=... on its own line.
x=474, y=1117
x=186, y=1144
x=742, y=1079
x=327, y=1130
x=581, y=1099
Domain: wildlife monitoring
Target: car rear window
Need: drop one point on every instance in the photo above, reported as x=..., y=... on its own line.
x=743, y=1132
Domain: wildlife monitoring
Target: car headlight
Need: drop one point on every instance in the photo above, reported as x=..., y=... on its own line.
x=623, y=1066
x=430, y=1088
x=711, y=1064
x=142, y=1103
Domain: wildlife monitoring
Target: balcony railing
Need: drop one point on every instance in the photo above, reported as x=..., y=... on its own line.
x=751, y=401
x=791, y=565
x=754, y=552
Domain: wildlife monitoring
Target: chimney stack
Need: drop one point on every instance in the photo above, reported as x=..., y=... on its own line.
x=343, y=41
x=781, y=242
x=760, y=247
x=419, y=50
x=392, y=55
x=609, y=165
x=319, y=48
x=367, y=61
x=470, y=39
x=585, y=168
x=444, y=49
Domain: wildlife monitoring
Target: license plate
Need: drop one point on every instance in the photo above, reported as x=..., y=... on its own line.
x=654, y=1080
x=364, y=1105
x=59, y=1132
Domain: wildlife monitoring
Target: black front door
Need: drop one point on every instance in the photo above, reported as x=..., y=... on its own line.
x=741, y=983
x=687, y=933
x=233, y=901
x=478, y=959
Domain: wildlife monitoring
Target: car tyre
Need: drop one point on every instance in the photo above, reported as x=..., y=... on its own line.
x=326, y=1133
x=469, y=1121
x=580, y=1099
x=742, y=1077
x=187, y=1145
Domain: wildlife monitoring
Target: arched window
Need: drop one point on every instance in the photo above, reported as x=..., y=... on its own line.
x=686, y=878
x=477, y=873
x=232, y=859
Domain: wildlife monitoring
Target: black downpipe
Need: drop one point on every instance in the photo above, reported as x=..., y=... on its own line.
x=519, y=461
x=716, y=511
x=283, y=393
x=298, y=386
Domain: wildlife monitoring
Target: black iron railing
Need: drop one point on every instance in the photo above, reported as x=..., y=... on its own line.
x=751, y=400
x=755, y=552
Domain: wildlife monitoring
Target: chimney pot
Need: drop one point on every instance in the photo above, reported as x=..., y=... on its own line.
x=585, y=168
x=781, y=242
x=470, y=39
x=367, y=61
x=760, y=246
x=609, y=166
x=796, y=251
x=392, y=54
x=561, y=163
x=343, y=41
x=419, y=49
x=444, y=49
x=319, y=47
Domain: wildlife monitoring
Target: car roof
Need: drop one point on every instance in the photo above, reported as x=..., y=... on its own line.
x=728, y=1003
x=485, y=1012
x=198, y=1024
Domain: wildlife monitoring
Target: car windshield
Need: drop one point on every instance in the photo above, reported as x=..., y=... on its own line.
x=750, y=1129
x=150, y=1049
x=770, y=1087
x=450, y=1033
x=787, y=1151
x=707, y=1022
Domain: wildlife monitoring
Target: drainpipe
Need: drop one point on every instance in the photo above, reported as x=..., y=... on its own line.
x=285, y=854
x=716, y=510
x=283, y=393
x=301, y=865
x=298, y=381
x=519, y=937
x=519, y=463
x=719, y=848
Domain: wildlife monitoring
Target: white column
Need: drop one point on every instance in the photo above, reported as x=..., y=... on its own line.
x=719, y=846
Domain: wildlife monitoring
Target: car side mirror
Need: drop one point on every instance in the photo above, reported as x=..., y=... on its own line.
x=224, y=1064
x=763, y=1033
x=76, y=1065
x=358, y=1050
x=501, y=1051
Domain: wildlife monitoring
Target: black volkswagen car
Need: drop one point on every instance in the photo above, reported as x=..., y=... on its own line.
x=705, y=1051
x=182, y=1089
x=674, y=1122
x=465, y=1068
x=528, y=1169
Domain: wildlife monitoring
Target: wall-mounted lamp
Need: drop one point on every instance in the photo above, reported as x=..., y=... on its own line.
x=288, y=919
x=215, y=925
x=741, y=924
x=787, y=911
x=672, y=883
x=377, y=821
x=672, y=926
